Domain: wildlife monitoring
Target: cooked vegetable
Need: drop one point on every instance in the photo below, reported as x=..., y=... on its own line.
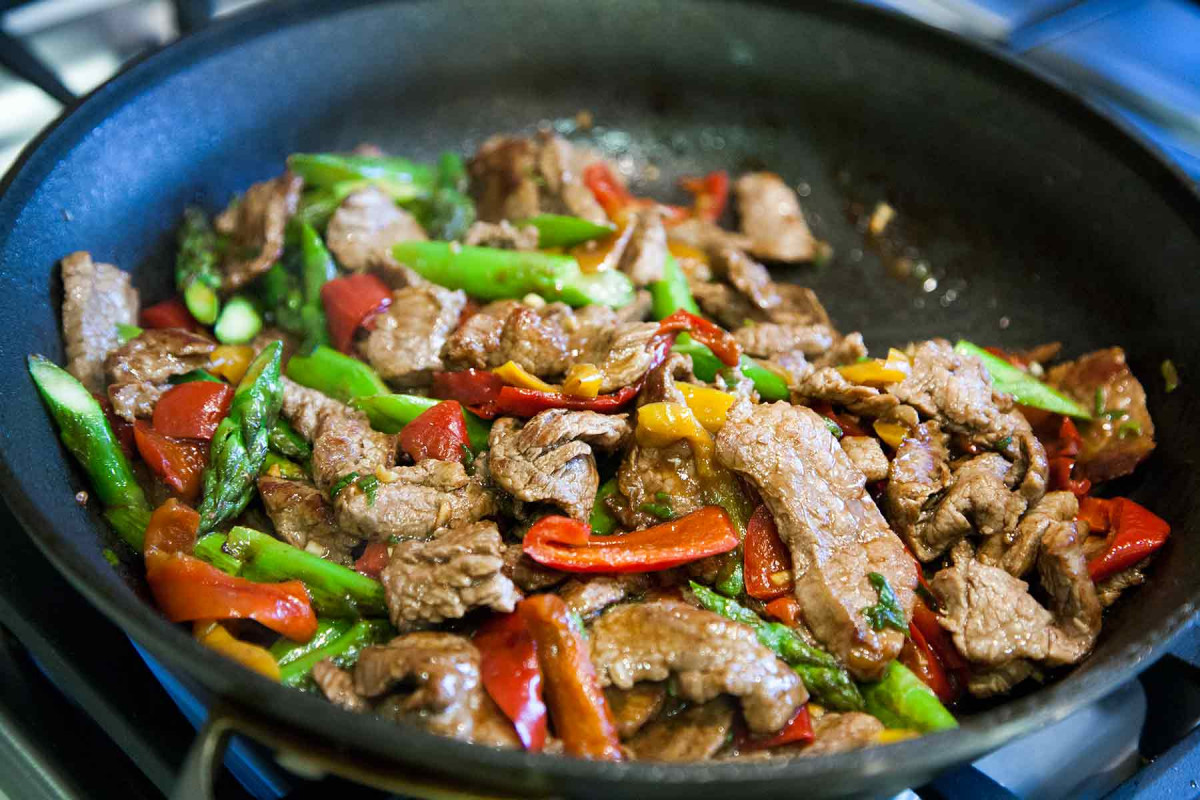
x=170, y=313
x=493, y=274
x=215, y=636
x=709, y=194
x=195, y=375
x=239, y=445
x=229, y=361
x=1027, y=390
x=798, y=729
x=197, y=266
x=85, y=432
x=1170, y=376
x=768, y=567
x=335, y=374
x=509, y=668
x=284, y=440
x=399, y=177
x=391, y=412
x=567, y=544
x=583, y=380
x=901, y=700
x=580, y=713
x=709, y=405
x=127, y=332
x=277, y=466
x=239, y=321
x=178, y=463
x=825, y=679
x=557, y=230
x=672, y=294
x=192, y=410
x=285, y=651
x=343, y=651
x=350, y=302
x=449, y=211
x=601, y=521
x=661, y=424
x=1136, y=533
x=439, y=432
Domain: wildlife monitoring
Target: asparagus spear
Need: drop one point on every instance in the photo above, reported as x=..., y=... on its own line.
x=197, y=275
x=602, y=521
x=286, y=442
x=344, y=651
x=449, y=211
x=286, y=651
x=239, y=321
x=490, y=273
x=902, y=700
x=336, y=591
x=335, y=374
x=86, y=433
x=239, y=445
x=391, y=412
x=211, y=548
x=404, y=180
x=284, y=467
x=822, y=675
x=316, y=268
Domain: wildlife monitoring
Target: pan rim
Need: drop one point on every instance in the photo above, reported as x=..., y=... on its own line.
x=314, y=716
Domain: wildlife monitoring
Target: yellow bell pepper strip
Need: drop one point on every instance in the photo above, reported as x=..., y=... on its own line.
x=230, y=361
x=214, y=636
x=661, y=424
x=1025, y=389
x=583, y=380
x=514, y=374
x=568, y=544
x=711, y=406
x=892, y=433
x=872, y=373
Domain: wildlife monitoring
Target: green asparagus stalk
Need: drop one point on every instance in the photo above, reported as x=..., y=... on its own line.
x=557, y=230
x=286, y=442
x=211, y=548
x=335, y=374
x=316, y=268
x=389, y=413
x=197, y=274
x=85, y=431
x=336, y=591
x=1027, y=390
x=329, y=631
x=404, y=180
x=239, y=445
x=902, y=700
x=343, y=651
x=239, y=322
x=602, y=521
x=490, y=273
x=449, y=211
x=285, y=467
x=824, y=678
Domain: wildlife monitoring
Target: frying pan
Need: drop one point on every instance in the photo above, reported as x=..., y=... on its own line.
x=1039, y=219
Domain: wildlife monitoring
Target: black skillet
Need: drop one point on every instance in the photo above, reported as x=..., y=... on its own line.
x=1040, y=220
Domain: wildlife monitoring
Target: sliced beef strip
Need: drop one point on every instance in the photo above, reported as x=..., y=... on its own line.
x=832, y=733
x=364, y=228
x=646, y=252
x=769, y=339
x=708, y=655
x=846, y=350
x=708, y=236
x=304, y=408
x=694, y=734
x=991, y=681
x=831, y=526
x=406, y=343
x=138, y=370
x=561, y=165
x=527, y=574
x=867, y=456
x=96, y=298
x=632, y=708
x=1015, y=550
x=539, y=340
x=449, y=698
x=342, y=438
x=337, y=685
x=549, y=458
x=502, y=234
x=1063, y=570
x=771, y=216
x=725, y=304
x=416, y=502
x=918, y=475
x=460, y=569
x=1114, y=446
x=255, y=224
x=589, y=595
x=516, y=178
x=647, y=472
x=753, y=296
x=827, y=385
x=977, y=500
x=660, y=382
x=304, y=518
x=1109, y=589
x=622, y=353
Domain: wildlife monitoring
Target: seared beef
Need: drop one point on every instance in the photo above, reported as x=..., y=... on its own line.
x=527, y=574
x=588, y=595
x=364, y=228
x=255, y=224
x=449, y=698
x=707, y=654
x=634, y=707
x=303, y=518
x=561, y=166
x=976, y=500
x=96, y=298
x=1109, y=589
x=990, y=681
x=660, y=381
x=917, y=476
x=337, y=685
x=549, y=459
x=826, y=384
x=1114, y=444
x=447, y=576
x=694, y=734
x=621, y=353
x=1015, y=550
x=415, y=502
x=406, y=343
x=867, y=456
x=346, y=443
x=514, y=178
x=723, y=303
x=138, y=370
x=304, y=408
x=846, y=350
x=1064, y=573
x=704, y=235
x=753, y=296
x=646, y=252
x=647, y=472
x=502, y=234
x=537, y=339
x=839, y=733
x=769, y=339
x=771, y=217
x=831, y=526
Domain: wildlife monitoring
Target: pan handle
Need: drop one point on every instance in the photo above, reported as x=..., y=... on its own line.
x=313, y=759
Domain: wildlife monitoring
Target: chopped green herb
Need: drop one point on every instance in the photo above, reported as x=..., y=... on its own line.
x=862, y=359
x=887, y=612
x=127, y=332
x=394, y=539
x=468, y=456
x=1129, y=429
x=662, y=497
x=1170, y=375
x=660, y=510
x=342, y=483
x=1099, y=402
x=833, y=427
x=110, y=557
x=369, y=484
x=1004, y=443
x=194, y=375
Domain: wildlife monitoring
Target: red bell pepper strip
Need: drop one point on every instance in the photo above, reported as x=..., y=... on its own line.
x=1096, y=512
x=188, y=589
x=178, y=463
x=617, y=201
x=721, y=342
x=168, y=314
x=798, y=729
x=373, y=559
x=1062, y=452
x=192, y=410
x=709, y=194
x=582, y=718
x=509, y=668
x=527, y=402
x=567, y=544
x=935, y=650
x=471, y=387
x=766, y=566
x=924, y=662
x=439, y=432
x=1137, y=532
x=786, y=610
x=351, y=302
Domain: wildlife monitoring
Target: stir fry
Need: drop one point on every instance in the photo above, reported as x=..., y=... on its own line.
x=504, y=450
